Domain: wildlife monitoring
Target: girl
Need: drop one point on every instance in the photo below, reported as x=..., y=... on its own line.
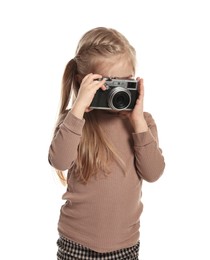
x=106, y=153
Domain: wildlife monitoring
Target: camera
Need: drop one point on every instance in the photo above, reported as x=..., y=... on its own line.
x=120, y=94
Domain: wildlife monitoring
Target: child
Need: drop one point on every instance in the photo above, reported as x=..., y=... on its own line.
x=108, y=153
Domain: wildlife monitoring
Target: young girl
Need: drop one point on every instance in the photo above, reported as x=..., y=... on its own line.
x=108, y=153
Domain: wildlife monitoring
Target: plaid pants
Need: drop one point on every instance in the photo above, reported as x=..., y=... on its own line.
x=69, y=250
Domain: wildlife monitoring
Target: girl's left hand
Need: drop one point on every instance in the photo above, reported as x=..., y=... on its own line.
x=136, y=116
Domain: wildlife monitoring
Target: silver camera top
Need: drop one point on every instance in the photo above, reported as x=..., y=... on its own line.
x=124, y=83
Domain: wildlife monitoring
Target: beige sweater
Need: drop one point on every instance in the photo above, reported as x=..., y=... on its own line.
x=104, y=214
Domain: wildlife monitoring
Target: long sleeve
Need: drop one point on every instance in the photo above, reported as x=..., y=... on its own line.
x=149, y=160
x=63, y=148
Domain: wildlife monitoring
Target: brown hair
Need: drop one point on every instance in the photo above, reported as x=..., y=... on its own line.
x=94, y=151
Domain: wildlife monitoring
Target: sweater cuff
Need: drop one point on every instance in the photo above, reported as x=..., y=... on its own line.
x=73, y=123
x=142, y=139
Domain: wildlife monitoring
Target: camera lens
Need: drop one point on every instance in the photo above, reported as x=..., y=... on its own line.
x=119, y=98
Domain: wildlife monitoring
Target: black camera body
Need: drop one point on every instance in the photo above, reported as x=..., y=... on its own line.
x=120, y=94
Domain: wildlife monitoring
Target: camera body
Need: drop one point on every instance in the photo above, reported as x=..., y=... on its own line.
x=120, y=94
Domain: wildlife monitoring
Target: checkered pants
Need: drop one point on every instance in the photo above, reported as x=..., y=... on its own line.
x=69, y=250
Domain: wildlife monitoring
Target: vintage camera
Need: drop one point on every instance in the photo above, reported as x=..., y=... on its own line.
x=120, y=94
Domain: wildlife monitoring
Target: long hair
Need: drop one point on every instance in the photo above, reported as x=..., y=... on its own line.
x=94, y=151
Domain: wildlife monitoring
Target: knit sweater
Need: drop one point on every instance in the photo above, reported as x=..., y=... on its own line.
x=104, y=214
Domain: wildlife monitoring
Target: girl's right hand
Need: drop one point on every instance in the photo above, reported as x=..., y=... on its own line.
x=86, y=93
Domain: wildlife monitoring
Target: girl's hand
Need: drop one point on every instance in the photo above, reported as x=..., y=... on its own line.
x=136, y=116
x=87, y=90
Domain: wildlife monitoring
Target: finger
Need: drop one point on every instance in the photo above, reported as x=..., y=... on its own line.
x=88, y=109
x=141, y=88
x=96, y=76
x=90, y=77
x=138, y=80
x=139, y=101
x=99, y=84
x=93, y=77
x=86, y=77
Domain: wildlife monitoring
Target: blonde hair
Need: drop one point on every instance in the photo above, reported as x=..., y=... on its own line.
x=94, y=151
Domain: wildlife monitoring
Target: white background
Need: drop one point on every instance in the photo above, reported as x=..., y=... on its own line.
x=172, y=43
